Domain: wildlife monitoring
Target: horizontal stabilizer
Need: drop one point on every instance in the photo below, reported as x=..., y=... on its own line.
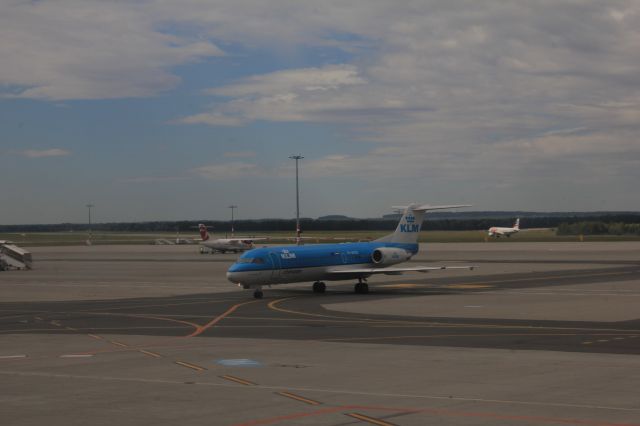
x=427, y=207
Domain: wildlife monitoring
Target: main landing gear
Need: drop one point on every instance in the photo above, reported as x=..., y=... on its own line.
x=361, y=287
x=319, y=287
x=258, y=293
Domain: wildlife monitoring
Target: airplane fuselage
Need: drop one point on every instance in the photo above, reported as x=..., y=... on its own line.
x=224, y=245
x=499, y=231
x=290, y=264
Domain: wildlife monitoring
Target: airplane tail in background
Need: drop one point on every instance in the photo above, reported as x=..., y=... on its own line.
x=517, y=225
x=410, y=224
x=204, y=234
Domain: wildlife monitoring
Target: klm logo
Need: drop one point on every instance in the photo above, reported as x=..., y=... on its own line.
x=409, y=227
x=286, y=254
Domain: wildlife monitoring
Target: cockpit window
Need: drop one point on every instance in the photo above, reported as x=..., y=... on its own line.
x=258, y=260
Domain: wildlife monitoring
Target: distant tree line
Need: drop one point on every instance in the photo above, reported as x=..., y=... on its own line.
x=623, y=222
x=598, y=228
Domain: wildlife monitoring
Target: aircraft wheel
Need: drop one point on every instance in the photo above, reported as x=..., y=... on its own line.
x=319, y=287
x=361, y=288
x=258, y=294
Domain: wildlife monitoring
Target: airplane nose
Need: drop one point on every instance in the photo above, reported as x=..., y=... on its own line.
x=233, y=277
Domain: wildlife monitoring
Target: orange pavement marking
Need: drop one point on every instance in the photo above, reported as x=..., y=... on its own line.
x=368, y=419
x=237, y=380
x=201, y=329
x=191, y=366
x=153, y=354
x=299, y=398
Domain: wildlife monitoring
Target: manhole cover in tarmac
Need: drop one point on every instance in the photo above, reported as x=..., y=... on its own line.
x=242, y=362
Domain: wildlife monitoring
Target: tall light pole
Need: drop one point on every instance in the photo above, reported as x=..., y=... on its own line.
x=89, y=206
x=232, y=207
x=297, y=158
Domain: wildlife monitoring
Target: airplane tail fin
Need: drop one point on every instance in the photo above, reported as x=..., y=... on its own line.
x=517, y=225
x=408, y=228
x=204, y=234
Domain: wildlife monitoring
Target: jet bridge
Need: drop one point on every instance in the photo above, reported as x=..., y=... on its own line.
x=13, y=257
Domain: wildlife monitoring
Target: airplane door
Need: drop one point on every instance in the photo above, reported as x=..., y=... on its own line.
x=275, y=264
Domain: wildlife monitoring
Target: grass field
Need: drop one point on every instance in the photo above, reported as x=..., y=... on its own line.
x=77, y=238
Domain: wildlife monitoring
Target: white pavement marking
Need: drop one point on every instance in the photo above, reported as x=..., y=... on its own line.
x=555, y=293
x=12, y=356
x=76, y=356
x=322, y=390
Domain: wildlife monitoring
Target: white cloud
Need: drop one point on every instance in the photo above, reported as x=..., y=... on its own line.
x=90, y=50
x=454, y=80
x=330, y=77
x=488, y=92
x=240, y=154
x=292, y=95
x=590, y=143
x=225, y=171
x=494, y=95
x=212, y=119
x=54, y=152
x=153, y=179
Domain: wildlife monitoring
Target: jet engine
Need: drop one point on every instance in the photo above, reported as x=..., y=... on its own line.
x=385, y=256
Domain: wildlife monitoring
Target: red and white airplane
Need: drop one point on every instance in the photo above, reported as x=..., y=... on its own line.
x=223, y=245
x=497, y=231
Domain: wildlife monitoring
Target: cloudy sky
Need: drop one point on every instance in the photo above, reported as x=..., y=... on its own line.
x=160, y=110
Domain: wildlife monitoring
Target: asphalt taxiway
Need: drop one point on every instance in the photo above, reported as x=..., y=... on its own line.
x=538, y=334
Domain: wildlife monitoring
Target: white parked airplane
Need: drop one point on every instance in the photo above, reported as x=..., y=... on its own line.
x=223, y=245
x=497, y=231
x=332, y=262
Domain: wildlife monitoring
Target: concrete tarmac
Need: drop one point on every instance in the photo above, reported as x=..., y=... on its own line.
x=538, y=334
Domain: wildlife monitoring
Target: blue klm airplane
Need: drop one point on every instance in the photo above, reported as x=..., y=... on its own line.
x=333, y=262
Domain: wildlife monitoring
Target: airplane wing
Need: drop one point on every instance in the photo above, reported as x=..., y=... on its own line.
x=396, y=270
x=295, y=238
x=246, y=239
